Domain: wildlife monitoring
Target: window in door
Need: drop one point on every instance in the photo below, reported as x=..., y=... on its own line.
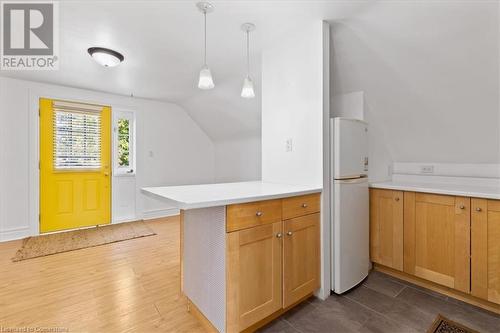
x=77, y=139
x=124, y=129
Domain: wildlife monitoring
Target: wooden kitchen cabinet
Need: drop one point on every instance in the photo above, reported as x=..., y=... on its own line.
x=437, y=239
x=485, y=249
x=270, y=266
x=451, y=244
x=254, y=275
x=386, y=228
x=300, y=257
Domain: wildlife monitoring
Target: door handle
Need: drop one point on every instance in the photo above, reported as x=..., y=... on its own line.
x=304, y=205
x=106, y=174
x=289, y=233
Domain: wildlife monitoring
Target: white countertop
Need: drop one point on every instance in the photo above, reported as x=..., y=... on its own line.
x=211, y=195
x=467, y=190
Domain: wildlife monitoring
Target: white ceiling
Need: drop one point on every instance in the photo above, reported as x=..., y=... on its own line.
x=162, y=44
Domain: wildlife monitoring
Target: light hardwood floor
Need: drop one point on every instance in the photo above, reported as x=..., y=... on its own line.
x=130, y=286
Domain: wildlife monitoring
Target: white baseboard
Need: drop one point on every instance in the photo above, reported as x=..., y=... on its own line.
x=13, y=234
x=158, y=213
x=125, y=219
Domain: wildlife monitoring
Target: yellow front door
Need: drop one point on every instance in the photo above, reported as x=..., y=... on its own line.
x=75, y=153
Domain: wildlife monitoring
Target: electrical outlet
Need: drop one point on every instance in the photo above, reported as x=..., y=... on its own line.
x=289, y=145
x=427, y=169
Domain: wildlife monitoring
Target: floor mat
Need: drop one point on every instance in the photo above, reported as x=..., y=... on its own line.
x=44, y=245
x=444, y=325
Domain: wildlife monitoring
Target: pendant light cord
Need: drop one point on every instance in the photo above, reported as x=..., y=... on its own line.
x=248, y=53
x=205, y=54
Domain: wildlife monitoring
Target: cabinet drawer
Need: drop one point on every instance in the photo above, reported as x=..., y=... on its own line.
x=300, y=206
x=247, y=215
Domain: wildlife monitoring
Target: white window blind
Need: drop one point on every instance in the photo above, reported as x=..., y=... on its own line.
x=77, y=136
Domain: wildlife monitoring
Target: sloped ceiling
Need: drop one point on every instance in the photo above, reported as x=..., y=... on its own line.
x=162, y=43
x=429, y=71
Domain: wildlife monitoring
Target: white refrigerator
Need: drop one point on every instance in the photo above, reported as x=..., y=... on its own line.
x=350, y=203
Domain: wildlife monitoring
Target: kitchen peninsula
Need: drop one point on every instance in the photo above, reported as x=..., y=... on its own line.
x=249, y=250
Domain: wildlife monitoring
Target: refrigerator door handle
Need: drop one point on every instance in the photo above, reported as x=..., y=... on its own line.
x=351, y=180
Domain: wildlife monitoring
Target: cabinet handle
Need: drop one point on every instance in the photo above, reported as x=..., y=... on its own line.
x=478, y=209
x=258, y=214
x=462, y=207
x=304, y=205
x=279, y=234
x=289, y=233
x=397, y=199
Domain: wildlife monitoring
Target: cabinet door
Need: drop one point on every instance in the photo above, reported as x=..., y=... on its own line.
x=437, y=239
x=301, y=252
x=386, y=228
x=485, y=249
x=254, y=277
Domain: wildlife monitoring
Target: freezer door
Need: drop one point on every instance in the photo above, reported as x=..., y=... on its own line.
x=350, y=148
x=350, y=238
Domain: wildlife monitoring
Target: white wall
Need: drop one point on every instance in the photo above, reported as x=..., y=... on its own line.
x=238, y=160
x=295, y=105
x=350, y=105
x=292, y=107
x=182, y=152
x=429, y=73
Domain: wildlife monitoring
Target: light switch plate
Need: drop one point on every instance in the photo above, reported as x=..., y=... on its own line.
x=289, y=145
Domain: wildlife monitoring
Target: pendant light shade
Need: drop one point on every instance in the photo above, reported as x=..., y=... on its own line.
x=248, y=90
x=205, y=80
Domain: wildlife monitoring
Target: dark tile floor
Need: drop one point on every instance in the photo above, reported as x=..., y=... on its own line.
x=381, y=304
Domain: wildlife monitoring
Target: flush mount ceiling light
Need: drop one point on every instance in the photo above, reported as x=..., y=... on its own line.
x=105, y=57
x=205, y=81
x=247, y=91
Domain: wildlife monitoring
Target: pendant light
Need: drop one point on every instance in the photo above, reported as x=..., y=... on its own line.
x=205, y=81
x=247, y=91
